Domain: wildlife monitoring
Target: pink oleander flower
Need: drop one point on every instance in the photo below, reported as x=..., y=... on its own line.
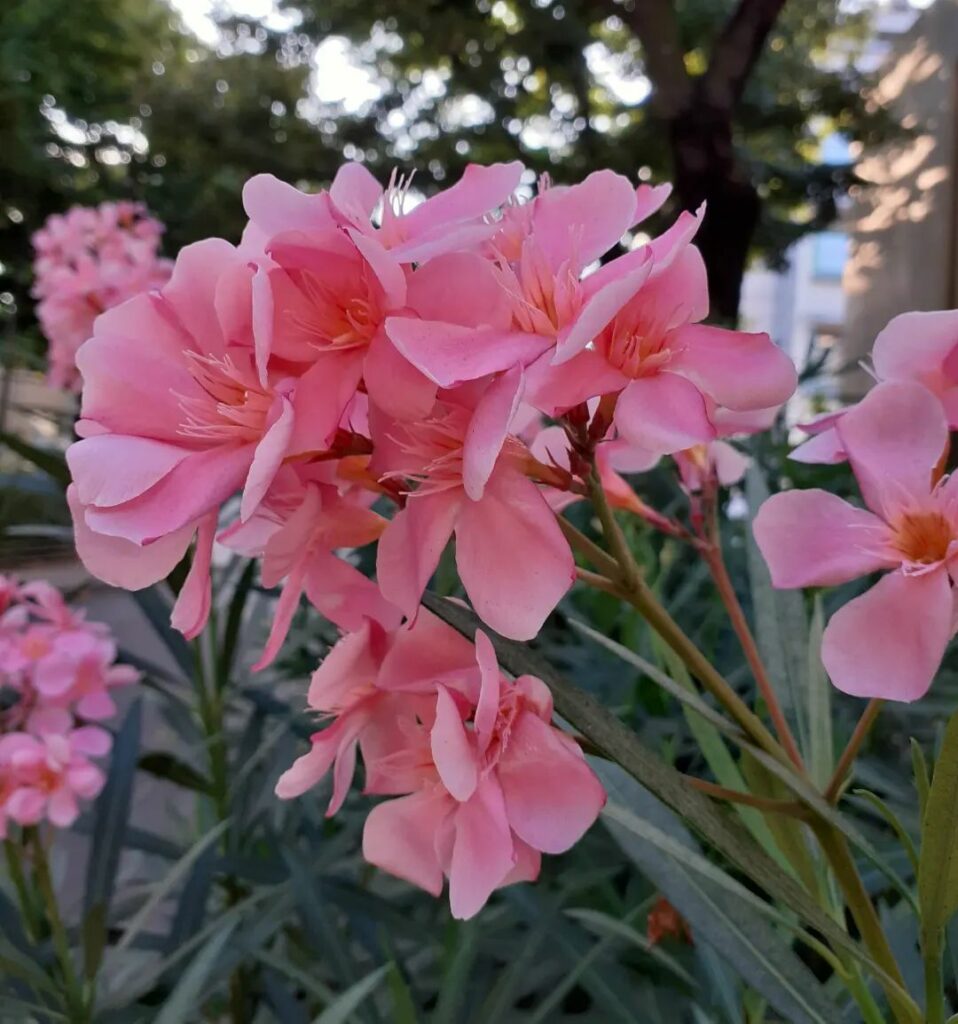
x=45, y=771
x=717, y=460
x=919, y=347
x=498, y=786
x=89, y=260
x=295, y=531
x=177, y=416
x=889, y=641
x=373, y=684
x=511, y=555
x=51, y=657
x=485, y=783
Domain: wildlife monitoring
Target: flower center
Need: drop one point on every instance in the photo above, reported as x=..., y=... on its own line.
x=336, y=321
x=923, y=537
x=234, y=406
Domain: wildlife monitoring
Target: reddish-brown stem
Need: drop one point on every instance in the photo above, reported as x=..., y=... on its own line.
x=723, y=583
x=867, y=720
x=788, y=807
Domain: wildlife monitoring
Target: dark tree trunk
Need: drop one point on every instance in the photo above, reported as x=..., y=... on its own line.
x=706, y=171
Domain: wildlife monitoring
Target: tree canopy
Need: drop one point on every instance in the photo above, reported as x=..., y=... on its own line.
x=113, y=98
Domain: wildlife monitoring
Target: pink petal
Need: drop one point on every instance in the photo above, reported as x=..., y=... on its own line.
x=915, y=346
x=825, y=448
x=815, y=539
x=555, y=389
x=191, y=290
x=282, y=616
x=388, y=272
x=584, y=220
x=263, y=315
x=449, y=354
x=355, y=192
x=430, y=650
x=395, y=384
x=889, y=642
x=344, y=672
x=91, y=740
x=411, y=545
x=275, y=206
x=400, y=837
x=111, y=469
x=193, y=602
x=452, y=751
x=894, y=438
x=176, y=500
x=551, y=794
x=599, y=311
x=268, y=457
x=487, y=709
x=665, y=414
x=513, y=560
x=320, y=398
x=527, y=866
x=483, y=853
x=460, y=288
x=307, y=771
x=25, y=805
x=738, y=370
x=488, y=430
x=62, y=808
x=649, y=199
x=345, y=596
x=730, y=464
x=479, y=191
x=121, y=563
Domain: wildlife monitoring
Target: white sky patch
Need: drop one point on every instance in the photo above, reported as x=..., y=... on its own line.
x=338, y=78
x=610, y=71
x=198, y=15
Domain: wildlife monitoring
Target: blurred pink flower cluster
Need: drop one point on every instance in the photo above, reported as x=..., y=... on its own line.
x=360, y=349
x=87, y=260
x=57, y=672
x=889, y=641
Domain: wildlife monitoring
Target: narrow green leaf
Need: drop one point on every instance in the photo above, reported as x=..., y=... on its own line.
x=403, y=1004
x=229, y=643
x=184, y=1001
x=623, y=747
x=721, y=911
x=821, y=742
x=452, y=990
x=166, y=766
x=341, y=1010
x=53, y=463
x=781, y=627
x=603, y=924
x=889, y=815
x=166, y=885
x=920, y=768
x=938, y=859
x=111, y=814
x=157, y=609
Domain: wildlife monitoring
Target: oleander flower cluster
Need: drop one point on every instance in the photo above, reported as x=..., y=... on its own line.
x=57, y=674
x=362, y=369
x=889, y=641
x=87, y=260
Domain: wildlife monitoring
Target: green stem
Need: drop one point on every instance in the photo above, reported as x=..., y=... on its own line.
x=28, y=908
x=637, y=592
x=836, y=850
x=934, y=982
x=834, y=788
x=73, y=994
x=723, y=583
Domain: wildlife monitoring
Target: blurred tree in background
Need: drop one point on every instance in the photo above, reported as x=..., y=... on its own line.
x=728, y=98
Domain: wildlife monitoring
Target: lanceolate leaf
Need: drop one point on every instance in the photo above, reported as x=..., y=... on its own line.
x=345, y=1005
x=938, y=858
x=622, y=746
x=781, y=629
x=111, y=815
x=185, y=999
x=720, y=910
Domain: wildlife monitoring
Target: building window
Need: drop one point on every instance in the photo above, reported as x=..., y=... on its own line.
x=829, y=255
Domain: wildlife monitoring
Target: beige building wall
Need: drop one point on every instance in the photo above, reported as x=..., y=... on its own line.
x=904, y=225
